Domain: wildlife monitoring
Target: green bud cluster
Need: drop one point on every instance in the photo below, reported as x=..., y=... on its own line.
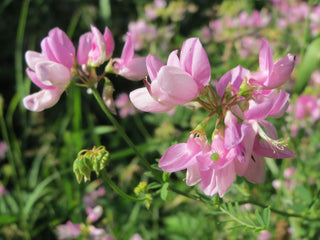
x=88, y=161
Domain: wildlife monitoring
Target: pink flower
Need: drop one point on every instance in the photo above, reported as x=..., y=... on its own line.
x=3, y=191
x=128, y=66
x=141, y=33
x=68, y=230
x=50, y=70
x=288, y=172
x=94, y=213
x=264, y=235
x=272, y=75
x=136, y=237
x=176, y=83
x=94, y=48
x=124, y=105
x=306, y=105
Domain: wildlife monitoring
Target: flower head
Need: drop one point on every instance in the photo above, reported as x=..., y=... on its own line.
x=94, y=48
x=50, y=70
x=176, y=83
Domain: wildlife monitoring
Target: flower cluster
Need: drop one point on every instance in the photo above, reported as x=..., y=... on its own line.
x=242, y=137
x=241, y=100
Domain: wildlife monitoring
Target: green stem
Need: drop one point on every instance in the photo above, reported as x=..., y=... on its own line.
x=283, y=213
x=117, y=189
x=119, y=128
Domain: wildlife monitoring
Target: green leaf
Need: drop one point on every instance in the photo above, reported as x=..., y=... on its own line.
x=164, y=191
x=7, y=219
x=259, y=218
x=308, y=65
x=153, y=185
x=266, y=216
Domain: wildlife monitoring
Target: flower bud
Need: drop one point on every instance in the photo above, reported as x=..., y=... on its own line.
x=88, y=161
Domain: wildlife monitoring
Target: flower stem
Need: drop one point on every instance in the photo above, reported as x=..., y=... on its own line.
x=120, y=128
x=117, y=189
x=283, y=213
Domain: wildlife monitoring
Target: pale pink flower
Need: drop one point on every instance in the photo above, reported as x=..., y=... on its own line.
x=128, y=66
x=91, y=198
x=3, y=191
x=50, y=70
x=124, y=105
x=306, y=106
x=272, y=75
x=141, y=33
x=176, y=83
x=94, y=48
x=68, y=230
x=98, y=233
x=94, y=213
x=288, y=172
x=264, y=235
x=276, y=184
x=136, y=237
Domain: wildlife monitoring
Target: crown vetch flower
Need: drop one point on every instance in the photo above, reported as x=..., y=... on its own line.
x=94, y=48
x=128, y=66
x=176, y=83
x=50, y=70
x=272, y=75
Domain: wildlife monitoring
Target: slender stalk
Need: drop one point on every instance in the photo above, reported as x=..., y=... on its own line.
x=120, y=128
x=283, y=213
x=117, y=189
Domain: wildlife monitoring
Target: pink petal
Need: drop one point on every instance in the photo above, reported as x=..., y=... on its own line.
x=84, y=48
x=109, y=41
x=136, y=69
x=142, y=100
x=177, y=84
x=225, y=178
x=153, y=66
x=270, y=129
x=271, y=151
x=56, y=52
x=235, y=77
x=194, y=60
x=42, y=100
x=193, y=175
x=97, y=54
x=32, y=58
x=256, y=169
x=33, y=76
x=128, y=50
x=282, y=70
x=208, y=182
x=173, y=59
x=258, y=111
x=61, y=37
x=54, y=73
x=176, y=158
x=265, y=57
x=280, y=104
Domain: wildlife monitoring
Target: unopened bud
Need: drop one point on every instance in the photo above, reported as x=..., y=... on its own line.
x=107, y=95
x=88, y=161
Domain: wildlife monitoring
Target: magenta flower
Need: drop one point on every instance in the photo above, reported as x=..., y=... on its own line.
x=176, y=83
x=272, y=75
x=50, y=70
x=128, y=66
x=68, y=230
x=94, y=48
x=306, y=105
